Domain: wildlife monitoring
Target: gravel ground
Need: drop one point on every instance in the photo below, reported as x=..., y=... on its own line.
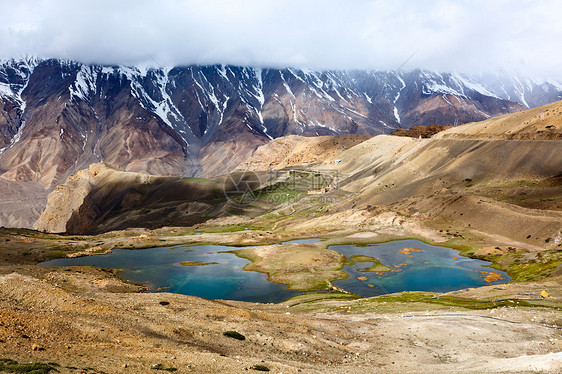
x=87, y=318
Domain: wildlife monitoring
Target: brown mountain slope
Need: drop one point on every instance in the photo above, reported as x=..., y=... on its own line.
x=500, y=177
x=298, y=150
x=21, y=203
x=58, y=116
x=102, y=198
x=491, y=185
x=544, y=122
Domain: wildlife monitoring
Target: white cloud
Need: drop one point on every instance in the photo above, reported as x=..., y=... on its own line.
x=463, y=35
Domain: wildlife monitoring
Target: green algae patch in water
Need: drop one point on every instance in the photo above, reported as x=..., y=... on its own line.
x=376, y=267
x=197, y=263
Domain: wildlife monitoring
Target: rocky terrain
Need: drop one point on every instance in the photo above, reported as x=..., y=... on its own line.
x=83, y=319
x=298, y=150
x=491, y=190
x=101, y=198
x=476, y=178
x=21, y=203
x=420, y=131
x=57, y=116
x=541, y=123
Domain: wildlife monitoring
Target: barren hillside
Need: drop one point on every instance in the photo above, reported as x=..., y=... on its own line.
x=542, y=123
x=299, y=150
x=474, y=176
x=102, y=198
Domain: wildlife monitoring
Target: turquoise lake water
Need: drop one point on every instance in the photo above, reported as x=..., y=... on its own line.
x=435, y=269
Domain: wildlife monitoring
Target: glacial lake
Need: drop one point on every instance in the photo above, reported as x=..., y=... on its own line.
x=426, y=268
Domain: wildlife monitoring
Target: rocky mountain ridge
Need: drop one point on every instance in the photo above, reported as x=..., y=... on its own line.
x=58, y=116
x=502, y=174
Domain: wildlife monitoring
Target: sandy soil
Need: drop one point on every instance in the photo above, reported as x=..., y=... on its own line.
x=83, y=319
x=539, y=123
x=298, y=150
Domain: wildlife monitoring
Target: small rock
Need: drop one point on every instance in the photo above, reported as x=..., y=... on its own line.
x=36, y=347
x=124, y=366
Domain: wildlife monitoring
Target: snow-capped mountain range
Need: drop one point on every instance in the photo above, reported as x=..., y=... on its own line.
x=58, y=116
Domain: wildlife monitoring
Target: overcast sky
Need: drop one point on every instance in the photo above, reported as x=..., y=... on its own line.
x=465, y=35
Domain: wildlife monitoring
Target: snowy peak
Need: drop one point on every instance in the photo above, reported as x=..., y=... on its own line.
x=203, y=120
x=14, y=77
x=525, y=91
x=195, y=101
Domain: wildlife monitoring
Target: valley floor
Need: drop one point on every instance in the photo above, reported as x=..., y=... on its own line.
x=89, y=320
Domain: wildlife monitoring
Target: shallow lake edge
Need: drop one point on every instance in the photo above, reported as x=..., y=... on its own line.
x=324, y=242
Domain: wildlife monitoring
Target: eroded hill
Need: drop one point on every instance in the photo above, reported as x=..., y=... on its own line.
x=102, y=198
x=296, y=150
x=497, y=177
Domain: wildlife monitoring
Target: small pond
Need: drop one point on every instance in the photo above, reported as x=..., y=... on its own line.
x=414, y=266
x=209, y=271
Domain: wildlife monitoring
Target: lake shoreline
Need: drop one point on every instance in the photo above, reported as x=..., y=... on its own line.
x=303, y=266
